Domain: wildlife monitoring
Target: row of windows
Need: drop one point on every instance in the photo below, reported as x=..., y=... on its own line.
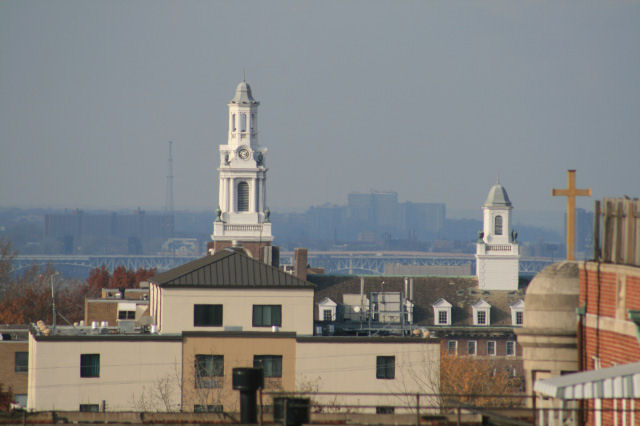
x=481, y=317
x=472, y=347
x=211, y=315
x=209, y=368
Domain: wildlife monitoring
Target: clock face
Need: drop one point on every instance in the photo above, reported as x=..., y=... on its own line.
x=243, y=153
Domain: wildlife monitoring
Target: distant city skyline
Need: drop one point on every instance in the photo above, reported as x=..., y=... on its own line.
x=432, y=100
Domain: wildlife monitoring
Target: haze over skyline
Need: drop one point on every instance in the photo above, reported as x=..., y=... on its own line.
x=429, y=99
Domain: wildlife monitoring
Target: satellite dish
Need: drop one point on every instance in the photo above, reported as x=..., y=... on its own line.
x=356, y=309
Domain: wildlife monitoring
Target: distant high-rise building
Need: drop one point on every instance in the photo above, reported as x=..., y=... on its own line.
x=242, y=214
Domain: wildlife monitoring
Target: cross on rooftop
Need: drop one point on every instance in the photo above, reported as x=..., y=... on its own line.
x=571, y=192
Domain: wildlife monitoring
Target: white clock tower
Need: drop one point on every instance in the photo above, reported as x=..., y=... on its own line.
x=242, y=216
x=497, y=252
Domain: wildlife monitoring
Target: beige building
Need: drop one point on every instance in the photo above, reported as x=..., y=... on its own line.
x=14, y=359
x=208, y=359
x=230, y=291
x=82, y=369
x=209, y=316
x=368, y=365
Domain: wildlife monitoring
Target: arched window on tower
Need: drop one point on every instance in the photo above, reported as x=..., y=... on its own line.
x=233, y=122
x=497, y=229
x=243, y=197
x=243, y=122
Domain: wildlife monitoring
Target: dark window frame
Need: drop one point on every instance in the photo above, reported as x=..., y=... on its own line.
x=443, y=317
x=491, y=344
x=89, y=408
x=207, y=315
x=270, y=364
x=89, y=365
x=207, y=376
x=481, y=317
x=519, y=318
x=21, y=365
x=126, y=315
x=474, y=344
x=266, y=315
x=385, y=367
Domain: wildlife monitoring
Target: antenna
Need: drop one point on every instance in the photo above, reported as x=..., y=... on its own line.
x=168, y=206
x=243, y=79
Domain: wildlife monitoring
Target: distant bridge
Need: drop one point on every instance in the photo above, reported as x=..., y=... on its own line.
x=370, y=262
x=337, y=262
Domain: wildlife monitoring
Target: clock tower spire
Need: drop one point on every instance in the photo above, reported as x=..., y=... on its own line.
x=242, y=216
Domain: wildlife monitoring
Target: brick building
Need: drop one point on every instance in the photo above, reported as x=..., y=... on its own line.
x=608, y=337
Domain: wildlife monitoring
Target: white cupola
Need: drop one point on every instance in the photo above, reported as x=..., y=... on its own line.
x=497, y=252
x=242, y=215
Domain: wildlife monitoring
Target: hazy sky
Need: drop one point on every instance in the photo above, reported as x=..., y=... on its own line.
x=432, y=99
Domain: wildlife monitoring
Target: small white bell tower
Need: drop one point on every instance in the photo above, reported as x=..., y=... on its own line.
x=497, y=252
x=242, y=216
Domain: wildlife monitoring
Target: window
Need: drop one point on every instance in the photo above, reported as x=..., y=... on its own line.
x=90, y=365
x=519, y=317
x=452, y=347
x=21, y=362
x=491, y=348
x=207, y=369
x=497, y=229
x=385, y=367
x=442, y=317
x=482, y=317
x=233, y=122
x=471, y=347
x=126, y=315
x=243, y=122
x=385, y=410
x=327, y=315
x=243, y=197
x=207, y=408
x=89, y=408
x=207, y=315
x=271, y=364
x=510, y=348
x=267, y=315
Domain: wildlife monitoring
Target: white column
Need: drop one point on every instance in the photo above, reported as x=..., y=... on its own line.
x=260, y=196
x=264, y=192
x=252, y=195
x=232, y=195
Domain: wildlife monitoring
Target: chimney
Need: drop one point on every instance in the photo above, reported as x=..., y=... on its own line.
x=300, y=263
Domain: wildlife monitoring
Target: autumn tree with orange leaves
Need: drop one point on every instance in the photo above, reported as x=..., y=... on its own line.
x=477, y=381
x=26, y=297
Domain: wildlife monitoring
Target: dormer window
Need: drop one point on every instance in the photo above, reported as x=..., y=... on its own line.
x=497, y=229
x=517, y=313
x=481, y=313
x=442, y=312
x=327, y=310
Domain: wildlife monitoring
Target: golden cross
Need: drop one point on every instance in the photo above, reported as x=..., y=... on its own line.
x=571, y=193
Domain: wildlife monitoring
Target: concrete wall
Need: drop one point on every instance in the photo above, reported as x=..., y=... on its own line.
x=238, y=351
x=349, y=365
x=130, y=371
x=176, y=310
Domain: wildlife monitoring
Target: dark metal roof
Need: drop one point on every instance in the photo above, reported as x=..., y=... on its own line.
x=228, y=269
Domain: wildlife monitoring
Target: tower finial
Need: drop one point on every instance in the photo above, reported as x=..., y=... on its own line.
x=498, y=179
x=243, y=79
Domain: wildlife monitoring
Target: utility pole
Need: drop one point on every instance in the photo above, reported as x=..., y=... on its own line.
x=168, y=206
x=53, y=301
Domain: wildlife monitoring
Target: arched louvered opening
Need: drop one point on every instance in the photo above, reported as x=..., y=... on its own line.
x=243, y=197
x=497, y=229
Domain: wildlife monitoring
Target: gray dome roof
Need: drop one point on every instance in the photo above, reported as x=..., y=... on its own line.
x=552, y=298
x=497, y=196
x=243, y=94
